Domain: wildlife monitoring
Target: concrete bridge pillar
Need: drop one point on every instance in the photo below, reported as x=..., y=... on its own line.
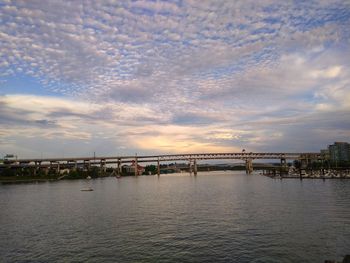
x=53, y=166
x=37, y=165
x=158, y=167
x=35, y=168
x=248, y=166
x=190, y=166
x=58, y=168
x=283, y=167
x=119, y=170
x=195, y=166
x=136, y=170
x=88, y=167
x=103, y=165
x=303, y=165
x=283, y=162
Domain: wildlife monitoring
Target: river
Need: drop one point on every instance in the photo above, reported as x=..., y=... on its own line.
x=213, y=217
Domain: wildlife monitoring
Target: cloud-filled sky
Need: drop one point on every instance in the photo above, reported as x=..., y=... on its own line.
x=125, y=77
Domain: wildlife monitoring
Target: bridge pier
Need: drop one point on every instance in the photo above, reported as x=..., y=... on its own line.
x=103, y=165
x=58, y=168
x=87, y=165
x=46, y=170
x=51, y=165
x=190, y=166
x=248, y=166
x=158, y=167
x=37, y=167
x=119, y=169
x=283, y=167
x=75, y=167
x=195, y=167
x=302, y=169
x=136, y=168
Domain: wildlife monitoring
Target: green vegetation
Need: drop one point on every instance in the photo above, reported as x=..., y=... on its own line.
x=29, y=174
x=32, y=174
x=82, y=174
x=150, y=169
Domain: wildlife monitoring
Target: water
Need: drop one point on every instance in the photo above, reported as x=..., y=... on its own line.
x=214, y=217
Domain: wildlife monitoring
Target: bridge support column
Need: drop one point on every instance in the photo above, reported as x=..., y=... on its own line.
x=190, y=166
x=58, y=168
x=283, y=167
x=195, y=166
x=36, y=169
x=119, y=169
x=248, y=166
x=87, y=165
x=103, y=165
x=136, y=167
x=158, y=167
x=302, y=169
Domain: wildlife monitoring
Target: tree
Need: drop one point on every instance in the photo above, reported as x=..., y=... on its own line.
x=150, y=169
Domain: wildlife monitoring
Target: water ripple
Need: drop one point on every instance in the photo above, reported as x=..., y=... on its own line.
x=208, y=218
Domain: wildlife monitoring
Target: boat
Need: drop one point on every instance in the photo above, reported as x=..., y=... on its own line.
x=89, y=177
x=87, y=189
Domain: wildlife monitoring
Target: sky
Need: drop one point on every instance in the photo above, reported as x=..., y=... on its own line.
x=177, y=76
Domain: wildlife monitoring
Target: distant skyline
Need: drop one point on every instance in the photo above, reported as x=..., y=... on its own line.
x=126, y=77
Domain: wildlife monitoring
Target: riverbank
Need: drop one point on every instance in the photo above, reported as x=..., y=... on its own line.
x=26, y=179
x=41, y=179
x=307, y=176
x=38, y=179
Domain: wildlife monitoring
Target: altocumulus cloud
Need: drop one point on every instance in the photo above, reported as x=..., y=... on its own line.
x=173, y=76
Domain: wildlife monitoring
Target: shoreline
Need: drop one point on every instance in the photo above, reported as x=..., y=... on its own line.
x=43, y=180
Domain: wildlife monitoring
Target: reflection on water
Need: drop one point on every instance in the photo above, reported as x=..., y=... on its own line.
x=214, y=217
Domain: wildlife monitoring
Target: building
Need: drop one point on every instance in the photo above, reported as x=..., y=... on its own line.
x=10, y=158
x=130, y=169
x=325, y=154
x=339, y=152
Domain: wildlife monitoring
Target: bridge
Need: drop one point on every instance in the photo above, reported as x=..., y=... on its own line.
x=192, y=159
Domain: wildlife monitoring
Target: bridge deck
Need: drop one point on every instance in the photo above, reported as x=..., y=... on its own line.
x=161, y=158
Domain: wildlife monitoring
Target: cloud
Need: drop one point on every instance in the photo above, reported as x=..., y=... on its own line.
x=178, y=75
x=331, y=72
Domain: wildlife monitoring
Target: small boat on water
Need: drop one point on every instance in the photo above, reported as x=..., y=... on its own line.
x=89, y=177
x=87, y=189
